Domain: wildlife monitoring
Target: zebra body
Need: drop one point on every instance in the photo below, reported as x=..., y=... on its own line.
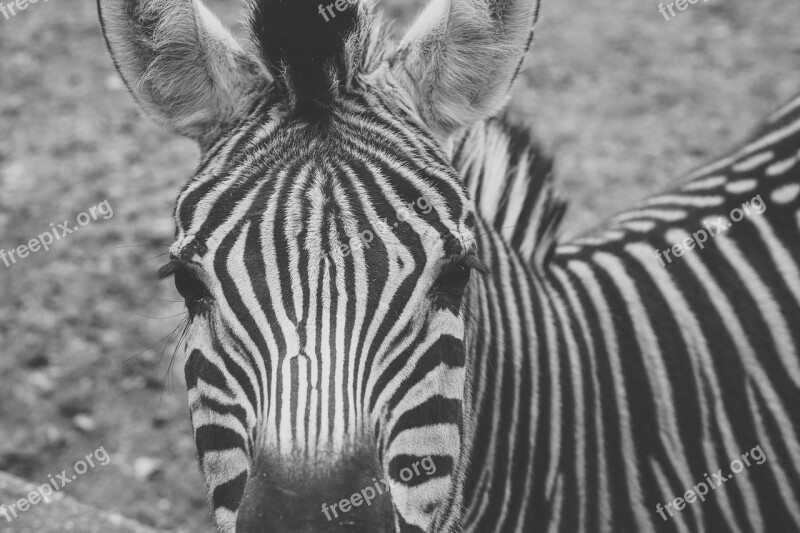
x=335, y=345
x=606, y=384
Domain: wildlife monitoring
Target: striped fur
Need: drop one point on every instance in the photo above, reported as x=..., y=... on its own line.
x=572, y=387
x=511, y=182
x=606, y=384
x=308, y=386
x=256, y=222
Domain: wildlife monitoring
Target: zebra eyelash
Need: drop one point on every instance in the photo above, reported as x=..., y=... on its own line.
x=476, y=264
x=168, y=270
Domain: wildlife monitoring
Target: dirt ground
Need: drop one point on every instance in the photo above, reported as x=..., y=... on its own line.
x=626, y=100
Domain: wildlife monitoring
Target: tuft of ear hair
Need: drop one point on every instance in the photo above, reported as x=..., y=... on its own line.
x=182, y=66
x=314, y=50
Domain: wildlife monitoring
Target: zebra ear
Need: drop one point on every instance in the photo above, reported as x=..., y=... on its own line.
x=181, y=65
x=460, y=58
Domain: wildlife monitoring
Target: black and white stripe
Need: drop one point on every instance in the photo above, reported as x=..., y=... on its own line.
x=606, y=384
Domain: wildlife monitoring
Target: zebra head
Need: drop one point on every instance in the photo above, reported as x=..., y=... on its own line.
x=324, y=247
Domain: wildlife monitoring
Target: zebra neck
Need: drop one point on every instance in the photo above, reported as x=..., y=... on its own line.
x=514, y=371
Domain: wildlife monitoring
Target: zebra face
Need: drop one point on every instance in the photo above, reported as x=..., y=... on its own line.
x=324, y=247
x=324, y=281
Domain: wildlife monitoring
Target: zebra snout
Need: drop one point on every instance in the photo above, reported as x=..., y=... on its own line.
x=345, y=497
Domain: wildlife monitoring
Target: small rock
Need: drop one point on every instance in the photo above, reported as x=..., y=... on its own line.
x=75, y=405
x=84, y=423
x=114, y=83
x=53, y=437
x=144, y=468
x=133, y=383
x=41, y=381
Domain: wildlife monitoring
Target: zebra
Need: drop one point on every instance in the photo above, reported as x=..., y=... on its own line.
x=643, y=375
x=335, y=344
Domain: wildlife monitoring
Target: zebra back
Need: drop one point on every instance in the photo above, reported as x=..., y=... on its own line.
x=628, y=376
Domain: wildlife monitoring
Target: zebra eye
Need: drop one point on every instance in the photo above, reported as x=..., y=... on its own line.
x=455, y=279
x=189, y=286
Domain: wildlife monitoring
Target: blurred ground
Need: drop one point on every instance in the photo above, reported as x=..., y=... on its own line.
x=71, y=515
x=626, y=100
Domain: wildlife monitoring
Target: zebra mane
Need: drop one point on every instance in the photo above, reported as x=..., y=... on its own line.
x=314, y=53
x=511, y=181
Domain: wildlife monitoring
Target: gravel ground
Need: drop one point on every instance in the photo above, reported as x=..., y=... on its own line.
x=56, y=512
x=625, y=100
